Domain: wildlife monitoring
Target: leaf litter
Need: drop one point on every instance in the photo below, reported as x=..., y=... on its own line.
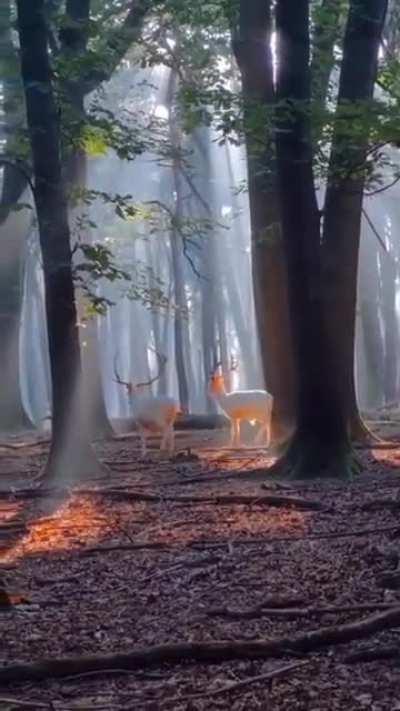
x=73, y=592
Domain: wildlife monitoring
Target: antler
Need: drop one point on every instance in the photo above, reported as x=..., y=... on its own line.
x=162, y=361
x=216, y=366
x=234, y=363
x=118, y=377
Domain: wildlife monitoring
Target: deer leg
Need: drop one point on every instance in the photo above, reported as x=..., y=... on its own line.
x=143, y=443
x=171, y=439
x=259, y=435
x=236, y=433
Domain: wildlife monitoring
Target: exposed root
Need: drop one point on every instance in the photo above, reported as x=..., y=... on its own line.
x=307, y=458
x=71, y=466
x=202, y=652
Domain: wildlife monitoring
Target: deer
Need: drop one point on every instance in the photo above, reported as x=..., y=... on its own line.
x=152, y=413
x=242, y=405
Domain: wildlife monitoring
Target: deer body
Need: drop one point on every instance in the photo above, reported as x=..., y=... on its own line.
x=152, y=413
x=156, y=415
x=243, y=405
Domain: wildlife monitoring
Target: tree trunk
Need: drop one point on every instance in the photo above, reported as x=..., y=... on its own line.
x=14, y=180
x=74, y=35
x=70, y=449
x=252, y=48
x=176, y=246
x=391, y=329
x=14, y=227
x=320, y=445
x=344, y=196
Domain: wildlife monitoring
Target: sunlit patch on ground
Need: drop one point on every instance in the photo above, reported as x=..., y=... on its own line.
x=79, y=522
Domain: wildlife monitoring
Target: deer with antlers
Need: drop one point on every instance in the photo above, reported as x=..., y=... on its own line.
x=242, y=405
x=152, y=413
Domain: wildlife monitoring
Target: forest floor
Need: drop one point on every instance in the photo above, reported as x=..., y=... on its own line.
x=163, y=552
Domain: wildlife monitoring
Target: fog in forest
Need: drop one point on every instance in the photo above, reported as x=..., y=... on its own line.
x=200, y=276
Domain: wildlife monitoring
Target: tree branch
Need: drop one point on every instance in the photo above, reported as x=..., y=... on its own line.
x=213, y=652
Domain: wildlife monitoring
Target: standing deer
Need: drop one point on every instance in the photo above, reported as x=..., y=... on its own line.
x=152, y=413
x=242, y=405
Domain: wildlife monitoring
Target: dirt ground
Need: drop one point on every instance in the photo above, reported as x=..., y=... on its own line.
x=161, y=552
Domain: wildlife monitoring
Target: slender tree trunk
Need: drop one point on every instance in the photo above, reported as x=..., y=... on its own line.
x=176, y=247
x=70, y=450
x=391, y=328
x=321, y=443
x=252, y=48
x=344, y=196
x=14, y=227
x=15, y=182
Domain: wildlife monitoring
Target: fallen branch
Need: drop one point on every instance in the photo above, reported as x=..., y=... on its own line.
x=203, y=652
x=297, y=539
x=378, y=504
x=24, y=445
x=235, y=685
x=267, y=610
x=273, y=603
x=373, y=654
x=269, y=500
x=204, y=545
x=20, y=704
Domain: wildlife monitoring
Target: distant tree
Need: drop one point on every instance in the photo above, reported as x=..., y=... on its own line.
x=13, y=229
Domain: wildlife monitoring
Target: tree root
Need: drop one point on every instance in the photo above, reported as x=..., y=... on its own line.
x=293, y=613
x=203, y=652
x=307, y=458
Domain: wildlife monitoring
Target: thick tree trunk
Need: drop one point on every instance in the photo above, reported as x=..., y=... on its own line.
x=74, y=35
x=251, y=44
x=344, y=196
x=70, y=449
x=321, y=443
x=14, y=227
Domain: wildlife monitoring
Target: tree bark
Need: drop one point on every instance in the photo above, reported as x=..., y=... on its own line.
x=320, y=445
x=344, y=196
x=176, y=247
x=252, y=48
x=70, y=449
x=74, y=36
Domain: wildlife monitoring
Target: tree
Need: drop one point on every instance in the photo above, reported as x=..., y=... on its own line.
x=74, y=37
x=70, y=448
x=322, y=282
x=348, y=171
x=251, y=40
x=13, y=231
